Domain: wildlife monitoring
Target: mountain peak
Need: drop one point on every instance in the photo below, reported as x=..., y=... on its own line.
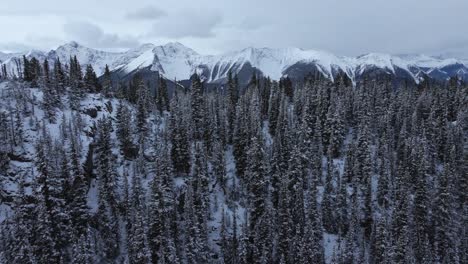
x=145, y=46
x=72, y=44
x=177, y=47
x=35, y=53
x=175, y=44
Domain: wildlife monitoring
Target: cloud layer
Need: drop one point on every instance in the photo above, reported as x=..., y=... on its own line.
x=92, y=35
x=213, y=26
x=146, y=13
x=187, y=24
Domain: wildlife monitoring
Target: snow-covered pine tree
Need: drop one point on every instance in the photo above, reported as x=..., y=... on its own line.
x=107, y=88
x=162, y=97
x=197, y=107
x=90, y=80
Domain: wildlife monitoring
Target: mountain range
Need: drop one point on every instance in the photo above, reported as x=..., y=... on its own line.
x=176, y=61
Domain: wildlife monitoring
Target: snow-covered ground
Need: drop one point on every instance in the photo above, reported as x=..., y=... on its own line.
x=26, y=168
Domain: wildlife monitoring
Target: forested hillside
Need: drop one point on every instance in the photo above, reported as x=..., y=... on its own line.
x=274, y=172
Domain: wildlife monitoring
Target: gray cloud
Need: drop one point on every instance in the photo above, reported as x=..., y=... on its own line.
x=14, y=47
x=146, y=13
x=92, y=35
x=187, y=24
x=250, y=23
x=213, y=26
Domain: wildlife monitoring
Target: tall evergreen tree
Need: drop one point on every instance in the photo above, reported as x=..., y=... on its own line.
x=197, y=107
x=162, y=97
x=90, y=79
x=107, y=88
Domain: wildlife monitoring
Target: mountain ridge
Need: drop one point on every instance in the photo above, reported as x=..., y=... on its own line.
x=177, y=61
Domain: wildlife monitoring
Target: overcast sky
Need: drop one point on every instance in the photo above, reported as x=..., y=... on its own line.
x=345, y=27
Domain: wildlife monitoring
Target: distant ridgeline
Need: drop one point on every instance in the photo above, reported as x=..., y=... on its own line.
x=177, y=63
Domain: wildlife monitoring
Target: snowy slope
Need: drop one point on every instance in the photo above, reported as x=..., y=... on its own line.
x=85, y=56
x=272, y=62
x=136, y=58
x=6, y=56
x=176, y=61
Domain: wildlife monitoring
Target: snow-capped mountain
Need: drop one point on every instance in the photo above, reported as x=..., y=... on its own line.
x=85, y=55
x=5, y=56
x=173, y=60
x=176, y=61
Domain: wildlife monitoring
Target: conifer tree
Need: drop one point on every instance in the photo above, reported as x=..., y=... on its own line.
x=90, y=79
x=232, y=98
x=107, y=202
x=107, y=88
x=180, y=152
x=256, y=174
x=197, y=107
x=83, y=251
x=380, y=242
x=26, y=69
x=59, y=79
x=124, y=130
x=46, y=246
x=76, y=83
x=312, y=251
x=162, y=97
x=78, y=205
x=142, y=110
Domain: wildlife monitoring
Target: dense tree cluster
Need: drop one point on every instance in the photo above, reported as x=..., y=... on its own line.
x=275, y=172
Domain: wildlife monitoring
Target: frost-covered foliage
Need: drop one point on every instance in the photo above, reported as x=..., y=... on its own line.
x=282, y=172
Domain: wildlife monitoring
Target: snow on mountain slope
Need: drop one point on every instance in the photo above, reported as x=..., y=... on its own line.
x=428, y=61
x=6, y=56
x=3, y=56
x=272, y=62
x=176, y=61
x=140, y=57
x=328, y=61
x=173, y=60
x=382, y=61
x=85, y=56
x=14, y=62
